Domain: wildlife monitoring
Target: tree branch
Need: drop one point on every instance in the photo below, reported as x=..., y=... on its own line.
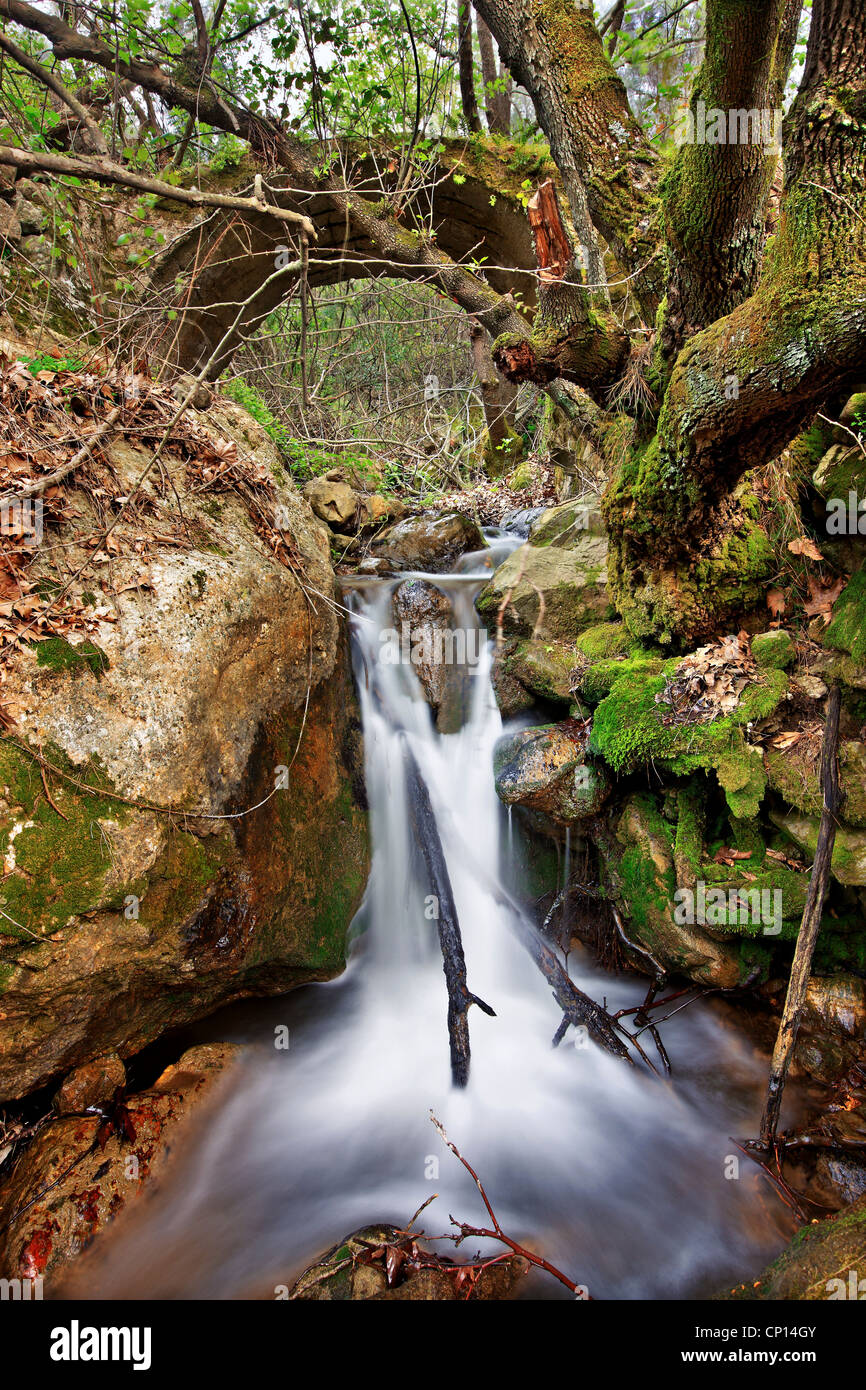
x=53, y=83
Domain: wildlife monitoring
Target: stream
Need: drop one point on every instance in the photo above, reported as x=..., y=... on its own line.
x=616, y=1176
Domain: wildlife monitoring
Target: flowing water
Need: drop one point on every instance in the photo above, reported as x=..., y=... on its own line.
x=619, y=1178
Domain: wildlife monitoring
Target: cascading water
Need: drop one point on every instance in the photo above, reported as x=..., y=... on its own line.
x=622, y=1180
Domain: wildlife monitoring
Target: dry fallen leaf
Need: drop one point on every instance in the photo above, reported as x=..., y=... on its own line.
x=804, y=546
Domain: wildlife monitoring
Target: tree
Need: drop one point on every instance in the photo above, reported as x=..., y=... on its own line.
x=739, y=330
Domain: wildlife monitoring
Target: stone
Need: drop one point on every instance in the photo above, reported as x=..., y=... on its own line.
x=10, y=227
x=374, y=509
x=544, y=669
x=546, y=769
x=564, y=525
x=90, y=1084
x=342, y=1275
x=824, y=1261
x=848, y=864
x=774, y=649
x=430, y=542
x=31, y=217
x=570, y=584
x=94, y=1184
x=428, y=615
x=213, y=680
x=335, y=502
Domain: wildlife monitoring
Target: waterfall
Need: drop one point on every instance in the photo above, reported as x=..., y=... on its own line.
x=617, y=1177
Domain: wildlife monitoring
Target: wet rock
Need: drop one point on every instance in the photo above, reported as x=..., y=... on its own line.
x=194, y=698
x=843, y=1176
x=352, y=1270
x=77, y=1185
x=511, y=696
x=641, y=864
x=428, y=616
x=546, y=770
x=833, y=1027
x=90, y=1084
x=430, y=542
x=824, y=1261
x=335, y=502
x=551, y=592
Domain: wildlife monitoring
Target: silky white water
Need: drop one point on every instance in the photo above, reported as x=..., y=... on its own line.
x=622, y=1180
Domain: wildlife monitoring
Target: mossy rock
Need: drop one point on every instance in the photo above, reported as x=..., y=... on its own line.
x=794, y=774
x=847, y=631
x=629, y=731
x=774, y=650
x=543, y=668
x=841, y=470
x=848, y=864
x=817, y=1265
x=568, y=523
x=546, y=770
x=59, y=655
x=552, y=592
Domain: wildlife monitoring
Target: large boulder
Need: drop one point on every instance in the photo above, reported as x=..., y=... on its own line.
x=430, y=542
x=141, y=888
x=549, y=591
x=80, y=1171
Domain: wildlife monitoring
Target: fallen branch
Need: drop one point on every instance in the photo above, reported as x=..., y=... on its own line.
x=107, y=172
x=43, y=484
x=497, y=1232
x=809, y=927
x=453, y=961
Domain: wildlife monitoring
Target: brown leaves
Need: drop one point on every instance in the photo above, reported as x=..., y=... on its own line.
x=730, y=856
x=822, y=596
x=804, y=545
x=710, y=681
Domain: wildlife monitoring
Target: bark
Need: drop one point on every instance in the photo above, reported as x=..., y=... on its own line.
x=569, y=337
x=497, y=103
x=460, y=999
x=553, y=49
x=714, y=196
x=744, y=386
x=466, y=66
x=498, y=398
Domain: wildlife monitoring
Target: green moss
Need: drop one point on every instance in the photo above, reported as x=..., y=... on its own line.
x=775, y=650
x=628, y=731
x=60, y=655
x=607, y=640
x=847, y=631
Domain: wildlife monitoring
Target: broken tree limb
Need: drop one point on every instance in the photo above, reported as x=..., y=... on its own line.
x=429, y=843
x=809, y=927
x=552, y=246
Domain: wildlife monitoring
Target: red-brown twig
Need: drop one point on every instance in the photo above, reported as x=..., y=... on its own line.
x=497, y=1233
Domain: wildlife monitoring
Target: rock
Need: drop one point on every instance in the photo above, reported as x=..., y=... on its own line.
x=212, y=681
x=10, y=227
x=374, y=509
x=572, y=584
x=340, y=1275
x=774, y=649
x=844, y=1176
x=824, y=1261
x=641, y=864
x=564, y=525
x=511, y=697
x=375, y=568
x=832, y=1027
x=544, y=669
x=8, y=173
x=430, y=542
x=31, y=217
x=46, y=1238
x=546, y=769
x=422, y=613
x=362, y=479
x=90, y=1084
x=794, y=773
x=335, y=502
x=841, y=470
x=848, y=864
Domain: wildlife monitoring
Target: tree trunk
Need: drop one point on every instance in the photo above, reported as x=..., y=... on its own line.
x=466, y=66
x=497, y=103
